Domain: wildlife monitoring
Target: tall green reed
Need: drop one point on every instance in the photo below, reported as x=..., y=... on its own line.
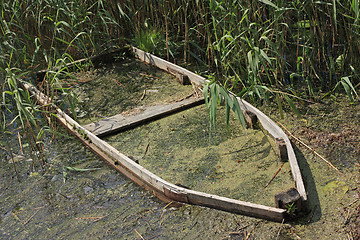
x=263, y=50
x=49, y=35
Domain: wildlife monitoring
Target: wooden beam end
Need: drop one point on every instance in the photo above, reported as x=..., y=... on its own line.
x=281, y=149
x=251, y=119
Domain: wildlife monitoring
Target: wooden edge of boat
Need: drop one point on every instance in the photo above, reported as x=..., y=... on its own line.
x=270, y=126
x=164, y=190
x=167, y=191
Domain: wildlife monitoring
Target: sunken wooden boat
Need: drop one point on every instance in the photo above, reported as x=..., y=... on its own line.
x=164, y=190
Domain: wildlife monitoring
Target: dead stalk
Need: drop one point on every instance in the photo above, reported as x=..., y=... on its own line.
x=28, y=220
x=21, y=147
x=4, y=149
x=165, y=208
x=146, y=149
x=139, y=234
x=274, y=175
x=281, y=226
x=142, y=97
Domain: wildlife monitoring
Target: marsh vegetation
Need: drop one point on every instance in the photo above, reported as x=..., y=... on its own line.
x=289, y=55
x=266, y=51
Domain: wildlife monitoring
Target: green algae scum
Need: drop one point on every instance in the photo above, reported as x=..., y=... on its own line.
x=65, y=202
x=182, y=148
x=122, y=87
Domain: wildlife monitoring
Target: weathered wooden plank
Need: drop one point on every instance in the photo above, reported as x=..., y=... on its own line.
x=236, y=206
x=168, y=66
x=120, y=122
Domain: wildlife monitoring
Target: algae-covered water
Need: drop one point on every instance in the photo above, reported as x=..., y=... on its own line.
x=182, y=149
x=103, y=204
x=123, y=86
x=76, y=196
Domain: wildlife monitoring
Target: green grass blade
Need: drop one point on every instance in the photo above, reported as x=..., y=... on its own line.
x=292, y=105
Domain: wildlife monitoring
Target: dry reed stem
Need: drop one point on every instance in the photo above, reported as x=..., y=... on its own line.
x=274, y=175
x=281, y=226
x=21, y=147
x=142, y=97
x=139, y=234
x=28, y=220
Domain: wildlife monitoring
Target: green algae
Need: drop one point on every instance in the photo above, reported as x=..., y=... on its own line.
x=105, y=205
x=124, y=86
x=182, y=149
x=61, y=210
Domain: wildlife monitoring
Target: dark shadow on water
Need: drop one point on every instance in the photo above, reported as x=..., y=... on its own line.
x=313, y=211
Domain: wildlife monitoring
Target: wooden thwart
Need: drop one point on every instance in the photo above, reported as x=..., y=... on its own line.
x=120, y=122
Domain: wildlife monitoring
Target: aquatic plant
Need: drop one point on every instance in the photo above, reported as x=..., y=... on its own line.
x=215, y=93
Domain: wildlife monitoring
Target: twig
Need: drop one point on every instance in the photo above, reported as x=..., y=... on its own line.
x=87, y=218
x=295, y=235
x=348, y=217
x=21, y=147
x=278, y=234
x=119, y=84
x=15, y=216
x=165, y=208
x=353, y=202
x=146, y=149
x=4, y=148
x=5, y=188
x=142, y=97
x=311, y=149
x=150, y=76
x=92, y=218
x=139, y=234
x=153, y=237
x=32, y=216
x=274, y=175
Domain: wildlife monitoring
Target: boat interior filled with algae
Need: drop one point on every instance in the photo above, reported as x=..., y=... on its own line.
x=146, y=117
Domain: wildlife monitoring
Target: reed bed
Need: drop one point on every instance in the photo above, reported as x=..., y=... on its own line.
x=261, y=50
